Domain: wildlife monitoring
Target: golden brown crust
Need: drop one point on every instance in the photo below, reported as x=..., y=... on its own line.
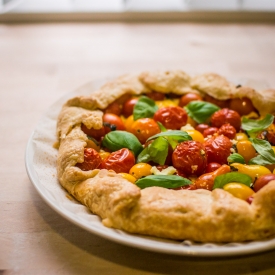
x=196, y=215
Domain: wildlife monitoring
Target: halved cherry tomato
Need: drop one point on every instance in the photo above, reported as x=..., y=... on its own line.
x=190, y=157
x=144, y=128
x=94, y=133
x=218, y=149
x=243, y=106
x=92, y=160
x=173, y=117
x=226, y=116
x=112, y=119
x=227, y=130
x=185, y=99
x=119, y=161
x=140, y=170
x=128, y=107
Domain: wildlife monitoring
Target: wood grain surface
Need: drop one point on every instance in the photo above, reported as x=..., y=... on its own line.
x=39, y=63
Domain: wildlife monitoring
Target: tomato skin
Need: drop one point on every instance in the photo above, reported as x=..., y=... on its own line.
x=246, y=150
x=186, y=187
x=128, y=107
x=226, y=116
x=113, y=108
x=190, y=158
x=172, y=117
x=210, y=131
x=185, y=99
x=156, y=95
x=144, y=128
x=212, y=166
x=262, y=181
x=120, y=161
x=94, y=133
x=239, y=190
x=227, y=130
x=218, y=149
x=220, y=103
x=92, y=160
x=201, y=127
x=140, y=170
x=270, y=135
x=243, y=106
x=113, y=120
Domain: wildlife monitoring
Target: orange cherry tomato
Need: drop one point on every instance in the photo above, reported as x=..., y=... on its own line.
x=226, y=116
x=120, y=161
x=172, y=117
x=129, y=123
x=246, y=150
x=111, y=119
x=92, y=160
x=144, y=128
x=185, y=99
x=140, y=170
x=243, y=106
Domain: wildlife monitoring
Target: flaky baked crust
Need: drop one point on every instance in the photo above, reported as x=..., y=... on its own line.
x=197, y=215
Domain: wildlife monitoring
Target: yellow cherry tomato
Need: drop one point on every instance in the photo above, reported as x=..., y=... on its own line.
x=241, y=136
x=254, y=171
x=92, y=144
x=191, y=121
x=104, y=155
x=239, y=190
x=167, y=103
x=128, y=123
x=196, y=135
x=246, y=150
x=128, y=177
x=140, y=170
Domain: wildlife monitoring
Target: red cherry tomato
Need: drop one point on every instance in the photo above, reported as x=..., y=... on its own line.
x=226, y=116
x=92, y=160
x=172, y=117
x=220, y=103
x=187, y=187
x=218, y=149
x=212, y=166
x=120, y=161
x=156, y=95
x=144, y=128
x=227, y=130
x=114, y=108
x=243, y=106
x=128, y=107
x=112, y=119
x=190, y=158
x=185, y=99
x=201, y=127
x=94, y=133
x=270, y=135
x=210, y=131
x=262, y=181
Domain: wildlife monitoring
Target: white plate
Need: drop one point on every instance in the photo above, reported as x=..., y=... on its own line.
x=40, y=161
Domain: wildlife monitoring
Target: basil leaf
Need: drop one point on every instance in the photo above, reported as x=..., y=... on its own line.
x=166, y=181
x=145, y=107
x=200, y=111
x=252, y=125
x=266, y=153
x=173, y=134
x=222, y=180
x=162, y=128
x=117, y=140
x=235, y=157
x=157, y=151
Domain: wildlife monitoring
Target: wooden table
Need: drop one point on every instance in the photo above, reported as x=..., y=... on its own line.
x=41, y=62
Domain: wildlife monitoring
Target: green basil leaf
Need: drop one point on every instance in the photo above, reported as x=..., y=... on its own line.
x=166, y=181
x=266, y=153
x=200, y=111
x=117, y=140
x=176, y=135
x=235, y=157
x=162, y=128
x=253, y=125
x=145, y=107
x=144, y=156
x=222, y=180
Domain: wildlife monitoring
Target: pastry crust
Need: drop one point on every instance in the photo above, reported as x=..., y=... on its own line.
x=197, y=215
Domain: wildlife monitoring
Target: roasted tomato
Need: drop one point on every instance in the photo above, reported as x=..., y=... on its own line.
x=227, y=130
x=224, y=116
x=128, y=107
x=120, y=161
x=270, y=135
x=218, y=149
x=220, y=103
x=185, y=99
x=210, y=131
x=243, y=106
x=187, y=187
x=111, y=119
x=173, y=117
x=113, y=108
x=92, y=160
x=262, y=181
x=201, y=127
x=94, y=133
x=212, y=166
x=144, y=128
x=190, y=158
x=156, y=96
